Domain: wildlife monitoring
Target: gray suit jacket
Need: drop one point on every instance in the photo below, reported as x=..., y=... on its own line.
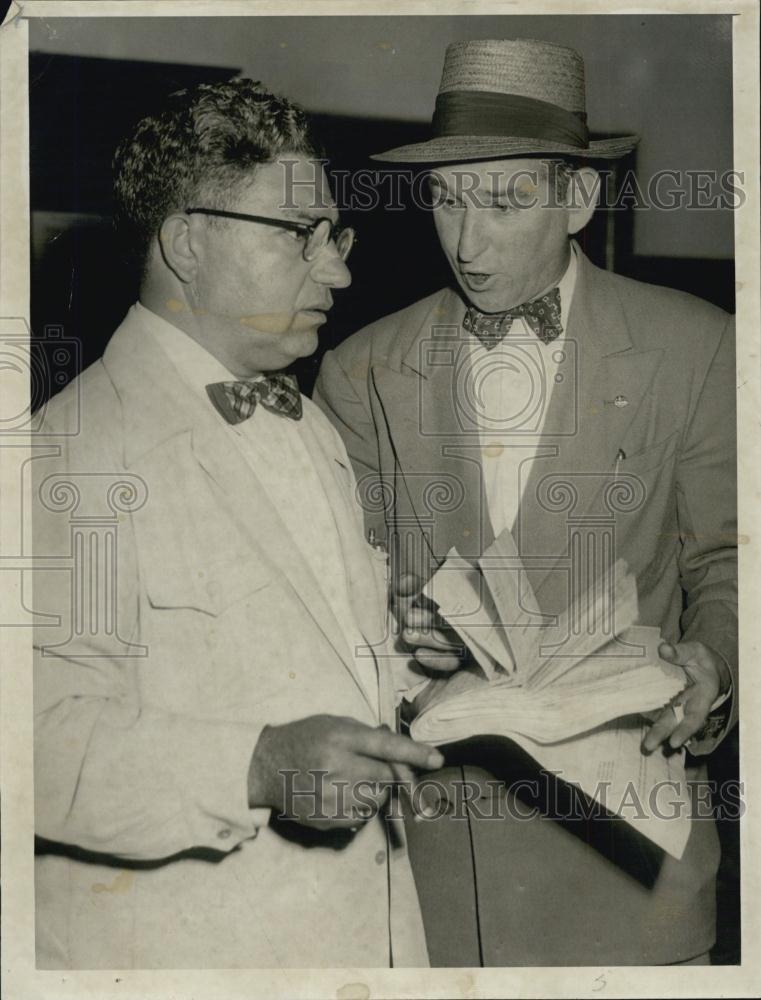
x=396, y=393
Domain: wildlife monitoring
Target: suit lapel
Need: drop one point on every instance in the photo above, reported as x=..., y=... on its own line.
x=368, y=602
x=157, y=407
x=366, y=571
x=438, y=486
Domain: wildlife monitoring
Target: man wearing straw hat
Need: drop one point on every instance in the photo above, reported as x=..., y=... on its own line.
x=536, y=367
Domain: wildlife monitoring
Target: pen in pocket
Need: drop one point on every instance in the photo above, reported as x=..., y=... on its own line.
x=374, y=542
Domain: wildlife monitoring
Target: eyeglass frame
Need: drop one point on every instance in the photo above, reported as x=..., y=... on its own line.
x=304, y=228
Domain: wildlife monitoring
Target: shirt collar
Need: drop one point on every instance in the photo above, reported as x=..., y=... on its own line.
x=195, y=365
x=567, y=285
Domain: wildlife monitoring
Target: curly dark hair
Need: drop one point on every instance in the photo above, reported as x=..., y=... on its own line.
x=201, y=146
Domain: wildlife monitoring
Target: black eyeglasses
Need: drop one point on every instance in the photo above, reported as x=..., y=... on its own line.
x=316, y=235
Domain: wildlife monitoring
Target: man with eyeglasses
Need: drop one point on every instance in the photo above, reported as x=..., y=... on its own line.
x=214, y=747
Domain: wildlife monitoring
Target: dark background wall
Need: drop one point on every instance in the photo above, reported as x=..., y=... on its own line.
x=666, y=77
x=371, y=83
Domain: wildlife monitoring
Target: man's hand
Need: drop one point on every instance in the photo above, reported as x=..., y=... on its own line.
x=361, y=764
x=709, y=677
x=434, y=645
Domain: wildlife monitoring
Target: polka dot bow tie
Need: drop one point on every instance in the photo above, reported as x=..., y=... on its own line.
x=542, y=316
x=236, y=401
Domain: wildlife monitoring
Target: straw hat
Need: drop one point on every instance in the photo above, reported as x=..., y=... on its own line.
x=509, y=97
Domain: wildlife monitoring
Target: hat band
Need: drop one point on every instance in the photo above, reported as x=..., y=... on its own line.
x=481, y=112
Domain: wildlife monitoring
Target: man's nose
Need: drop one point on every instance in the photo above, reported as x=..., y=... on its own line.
x=330, y=268
x=470, y=242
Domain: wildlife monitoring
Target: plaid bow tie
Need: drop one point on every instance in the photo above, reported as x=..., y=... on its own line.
x=542, y=315
x=236, y=401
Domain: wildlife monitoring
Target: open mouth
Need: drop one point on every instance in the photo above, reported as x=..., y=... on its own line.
x=475, y=279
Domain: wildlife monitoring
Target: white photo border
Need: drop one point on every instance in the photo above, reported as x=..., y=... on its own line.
x=21, y=979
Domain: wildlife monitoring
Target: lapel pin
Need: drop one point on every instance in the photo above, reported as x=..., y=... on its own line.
x=620, y=401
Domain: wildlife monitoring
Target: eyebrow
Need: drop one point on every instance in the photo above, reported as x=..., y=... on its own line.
x=444, y=187
x=492, y=189
x=435, y=181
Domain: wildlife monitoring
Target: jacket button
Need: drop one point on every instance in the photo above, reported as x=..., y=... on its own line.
x=224, y=834
x=380, y=858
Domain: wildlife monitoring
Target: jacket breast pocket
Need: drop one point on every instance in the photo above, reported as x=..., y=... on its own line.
x=652, y=457
x=211, y=587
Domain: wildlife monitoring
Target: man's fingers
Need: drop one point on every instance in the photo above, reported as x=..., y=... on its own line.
x=667, y=651
x=421, y=631
x=426, y=619
x=408, y=585
x=685, y=654
x=385, y=745
x=432, y=639
x=677, y=726
x=660, y=730
x=437, y=661
x=402, y=773
x=696, y=712
x=422, y=802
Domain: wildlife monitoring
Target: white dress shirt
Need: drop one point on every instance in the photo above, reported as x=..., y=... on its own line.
x=283, y=453
x=510, y=390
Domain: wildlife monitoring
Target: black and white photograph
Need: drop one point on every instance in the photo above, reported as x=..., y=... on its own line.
x=379, y=450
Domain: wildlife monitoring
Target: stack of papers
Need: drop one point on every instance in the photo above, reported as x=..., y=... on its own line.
x=608, y=687
x=570, y=690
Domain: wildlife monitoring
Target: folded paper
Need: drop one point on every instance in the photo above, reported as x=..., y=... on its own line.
x=571, y=689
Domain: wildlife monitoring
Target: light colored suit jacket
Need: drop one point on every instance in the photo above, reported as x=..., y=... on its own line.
x=396, y=393
x=158, y=661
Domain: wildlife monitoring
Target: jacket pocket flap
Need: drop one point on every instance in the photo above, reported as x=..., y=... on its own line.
x=211, y=588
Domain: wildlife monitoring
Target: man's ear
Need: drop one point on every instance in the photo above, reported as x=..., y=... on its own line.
x=181, y=247
x=582, y=197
